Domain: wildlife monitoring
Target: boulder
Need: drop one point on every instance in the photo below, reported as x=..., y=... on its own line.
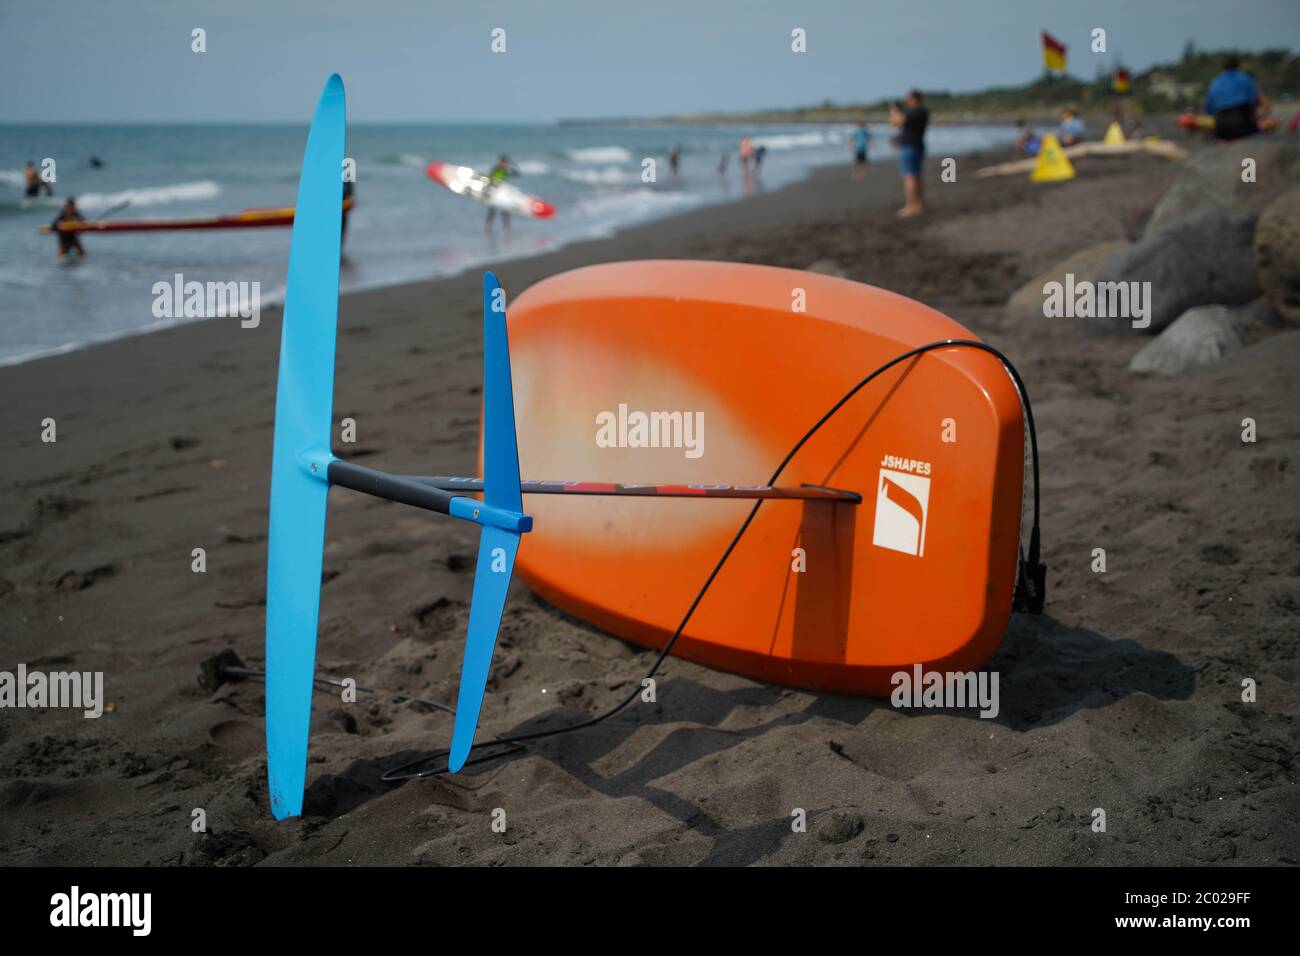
x=1190, y=193
x=1202, y=259
x=1200, y=336
x=1212, y=179
x=1276, y=166
x=1026, y=303
x=1277, y=254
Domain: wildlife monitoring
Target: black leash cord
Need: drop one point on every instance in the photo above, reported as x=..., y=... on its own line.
x=411, y=769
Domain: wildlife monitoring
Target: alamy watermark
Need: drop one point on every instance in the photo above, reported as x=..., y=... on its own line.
x=946, y=689
x=1084, y=299
x=76, y=909
x=635, y=429
x=179, y=299
x=82, y=691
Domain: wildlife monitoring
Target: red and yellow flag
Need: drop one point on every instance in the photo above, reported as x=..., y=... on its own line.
x=1121, y=82
x=1053, y=53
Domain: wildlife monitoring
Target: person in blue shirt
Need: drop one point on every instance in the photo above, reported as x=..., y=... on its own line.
x=1072, y=128
x=861, y=143
x=1028, y=142
x=1232, y=100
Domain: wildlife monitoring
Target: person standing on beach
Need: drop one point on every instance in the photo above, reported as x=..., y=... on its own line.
x=911, y=117
x=1232, y=100
x=348, y=189
x=861, y=143
x=68, y=241
x=746, y=153
x=499, y=173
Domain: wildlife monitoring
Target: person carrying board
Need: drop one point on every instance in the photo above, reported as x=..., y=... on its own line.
x=503, y=170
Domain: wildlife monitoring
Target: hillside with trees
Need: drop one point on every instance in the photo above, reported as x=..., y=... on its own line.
x=1164, y=88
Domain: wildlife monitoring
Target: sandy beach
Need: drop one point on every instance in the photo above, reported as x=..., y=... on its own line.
x=1125, y=695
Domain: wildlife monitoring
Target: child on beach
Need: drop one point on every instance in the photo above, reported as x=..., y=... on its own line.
x=1027, y=140
x=861, y=142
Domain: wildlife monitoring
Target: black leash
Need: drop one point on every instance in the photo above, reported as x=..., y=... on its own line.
x=1030, y=591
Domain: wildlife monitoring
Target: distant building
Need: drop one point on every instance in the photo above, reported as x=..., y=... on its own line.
x=1162, y=84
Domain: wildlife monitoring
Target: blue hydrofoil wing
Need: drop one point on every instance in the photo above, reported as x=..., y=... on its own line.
x=497, y=545
x=303, y=469
x=303, y=403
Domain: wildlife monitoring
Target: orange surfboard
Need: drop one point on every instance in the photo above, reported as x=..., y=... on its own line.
x=702, y=373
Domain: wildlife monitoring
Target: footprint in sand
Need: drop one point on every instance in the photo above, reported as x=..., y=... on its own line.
x=236, y=735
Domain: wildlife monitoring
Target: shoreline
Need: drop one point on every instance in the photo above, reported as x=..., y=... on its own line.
x=274, y=307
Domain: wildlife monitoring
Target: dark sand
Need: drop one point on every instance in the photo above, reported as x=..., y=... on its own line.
x=1125, y=695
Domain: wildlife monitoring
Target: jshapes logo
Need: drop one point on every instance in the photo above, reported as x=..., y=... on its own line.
x=902, y=506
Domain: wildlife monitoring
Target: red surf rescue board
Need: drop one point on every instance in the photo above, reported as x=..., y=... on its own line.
x=248, y=219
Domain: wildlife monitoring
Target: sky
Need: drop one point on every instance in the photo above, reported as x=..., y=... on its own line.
x=431, y=60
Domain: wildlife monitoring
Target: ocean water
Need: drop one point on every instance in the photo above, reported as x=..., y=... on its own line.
x=405, y=227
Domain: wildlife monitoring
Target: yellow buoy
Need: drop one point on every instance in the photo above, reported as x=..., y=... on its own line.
x=1052, y=165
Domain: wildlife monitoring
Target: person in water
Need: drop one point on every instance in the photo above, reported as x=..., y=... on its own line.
x=503, y=170
x=746, y=152
x=911, y=117
x=675, y=161
x=32, y=182
x=861, y=141
x=1233, y=100
x=68, y=241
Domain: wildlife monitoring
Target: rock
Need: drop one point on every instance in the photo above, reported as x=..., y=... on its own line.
x=1026, y=303
x=1200, y=336
x=1277, y=254
x=1276, y=167
x=1202, y=259
x=839, y=826
x=827, y=267
x=1190, y=193
x=1134, y=221
x=1212, y=179
x=1257, y=320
